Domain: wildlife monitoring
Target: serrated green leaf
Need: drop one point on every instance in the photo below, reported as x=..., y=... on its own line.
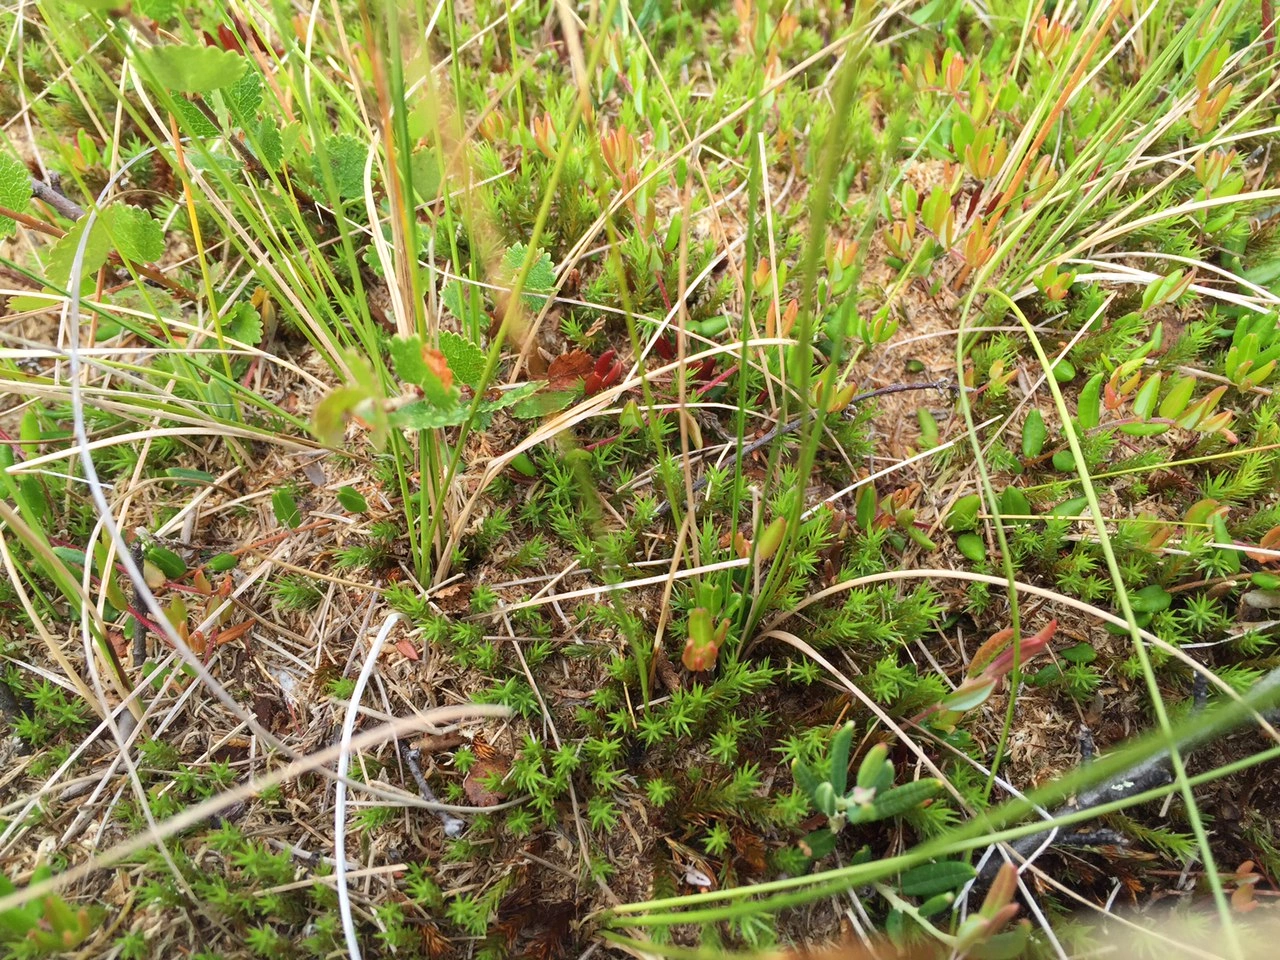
x=159, y=10
x=543, y=404
x=244, y=323
x=15, y=190
x=418, y=364
x=244, y=97
x=1034, y=434
x=464, y=302
x=62, y=255
x=136, y=234
x=190, y=68
x=192, y=119
x=466, y=360
x=346, y=157
x=421, y=415
x=931, y=879
x=542, y=275
x=286, y=509
x=270, y=144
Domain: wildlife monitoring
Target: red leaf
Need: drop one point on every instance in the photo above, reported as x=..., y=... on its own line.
x=665, y=348
x=407, y=649
x=605, y=362
x=568, y=368
x=476, y=791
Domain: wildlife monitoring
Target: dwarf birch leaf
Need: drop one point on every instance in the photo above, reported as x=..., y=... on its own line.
x=136, y=234
x=15, y=190
x=192, y=69
x=244, y=323
x=346, y=156
x=466, y=360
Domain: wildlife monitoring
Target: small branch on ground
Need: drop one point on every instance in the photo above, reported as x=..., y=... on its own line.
x=792, y=426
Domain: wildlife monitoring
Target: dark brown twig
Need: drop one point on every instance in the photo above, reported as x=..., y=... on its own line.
x=792, y=426
x=1155, y=771
x=56, y=199
x=453, y=827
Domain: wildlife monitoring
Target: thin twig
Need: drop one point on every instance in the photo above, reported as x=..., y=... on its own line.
x=793, y=425
x=453, y=827
x=1147, y=774
x=56, y=199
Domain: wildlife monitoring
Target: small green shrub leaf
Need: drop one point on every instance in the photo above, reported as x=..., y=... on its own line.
x=166, y=561
x=1014, y=503
x=931, y=879
x=1034, y=435
x=839, y=769
x=352, y=500
x=964, y=512
x=1079, y=653
x=1150, y=599
x=286, y=509
x=971, y=547
x=186, y=475
x=223, y=562
x=1089, y=407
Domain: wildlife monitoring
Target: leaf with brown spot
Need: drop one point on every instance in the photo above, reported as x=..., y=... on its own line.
x=473, y=786
x=750, y=851
x=568, y=368
x=454, y=598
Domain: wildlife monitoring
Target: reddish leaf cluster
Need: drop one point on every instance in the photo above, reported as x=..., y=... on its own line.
x=229, y=39
x=665, y=347
x=606, y=373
